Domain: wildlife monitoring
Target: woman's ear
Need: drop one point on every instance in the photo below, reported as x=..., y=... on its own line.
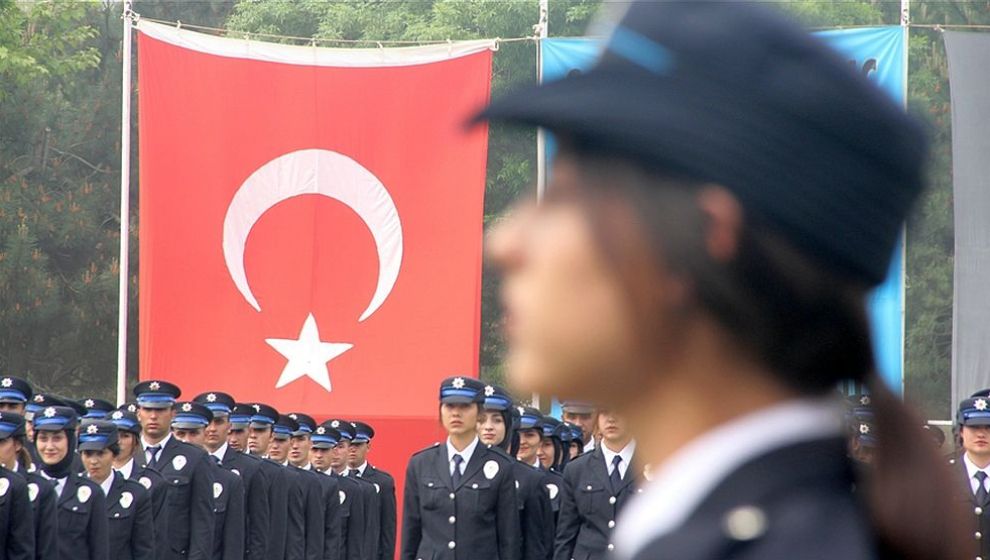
x=723, y=222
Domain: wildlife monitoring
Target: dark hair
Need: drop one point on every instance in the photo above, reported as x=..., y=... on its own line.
x=23, y=456
x=805, y=322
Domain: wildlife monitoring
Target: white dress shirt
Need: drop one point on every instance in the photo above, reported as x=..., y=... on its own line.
x=125, y=471
x=360, y=470
x=972, y=469
x=466, y=454
x=59, y=483
x=679, y=485
x=590, y=446
x=220, y=452
x=106, y=484
x=145, y=445
x=626, y=454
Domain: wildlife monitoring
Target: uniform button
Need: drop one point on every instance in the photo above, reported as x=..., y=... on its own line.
x=429, y=485
x=978, y=511
x=611, y=547
x=745, y=523
x=451, y=520
x=451, y=545
x=611, y=500
x=588, y=488
x=474, y=486
x=611, y=524
x=451, y=495
x=978, y=535
x=116, y=515
x=75, y=508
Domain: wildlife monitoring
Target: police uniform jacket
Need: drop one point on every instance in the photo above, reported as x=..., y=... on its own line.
x=186, y=525
x=589, y=507
x=385, y=485
x=228, y=533
x=535, y=514
x=330, y=498
x=315, y=513
x=82, y=520
x=553, y=481
x=153, y=482
x=352, y=514
x=295, y=533
x=980, y=513
x=131, y=525
x=256, y=500
x=278, y=504
x=42, y=496
x=477, y=520
x=17, y=538
x=794, y=502
x=372, y=516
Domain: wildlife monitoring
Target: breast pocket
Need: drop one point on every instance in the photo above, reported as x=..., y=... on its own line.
x=590, y=497
x=431, y=494
x=73, y=519
x=482, y=495
x=179, y=491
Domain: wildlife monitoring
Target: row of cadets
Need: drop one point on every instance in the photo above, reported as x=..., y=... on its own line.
x=326, y=452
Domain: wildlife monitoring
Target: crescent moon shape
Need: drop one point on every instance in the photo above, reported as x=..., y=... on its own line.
x=325, y=173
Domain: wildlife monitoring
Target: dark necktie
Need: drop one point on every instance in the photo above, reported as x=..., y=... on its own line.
x=154, y=449
x=354, y=473
x=616, y=477
x=981, y=488
x=216, y=460
x=455, y=477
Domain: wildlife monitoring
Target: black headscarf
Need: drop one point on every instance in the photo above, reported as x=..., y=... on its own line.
x=63, y=468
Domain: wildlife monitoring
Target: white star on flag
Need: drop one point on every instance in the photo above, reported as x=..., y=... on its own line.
x=307, y=356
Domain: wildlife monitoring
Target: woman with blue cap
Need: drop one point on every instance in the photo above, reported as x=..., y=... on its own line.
x=15, y=457
x=81, y=507
x=18, y=534
x=129, y=507
x=726, y=193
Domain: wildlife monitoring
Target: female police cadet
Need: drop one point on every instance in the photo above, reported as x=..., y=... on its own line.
x=728, y=190
x=129, y=507
x=14, y=456
x=460, y=496
x=81, y=514
x=496, y=428
x=18, y=536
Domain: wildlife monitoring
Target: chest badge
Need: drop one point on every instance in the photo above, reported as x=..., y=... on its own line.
x=146, y=482
x=490, y=469
x=4, y=486
x=378, y=489
x=553, y=490
x=179, y=462
x=235, y=471
x=217, y=490
x=33, y=491
x=126, y=499
x=342, y=496
x=83, y=494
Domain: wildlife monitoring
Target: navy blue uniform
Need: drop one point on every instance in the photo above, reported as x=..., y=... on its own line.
x=153, y=482
x=477, y=520
x=589, y=507
x=372, y=516
x=185, y=527
x=257, y=508
x=385, y=485
x=17, y=537
x=314, y=512
x=278, y=496
x=330, y=498
x=535, y=514
x=82, y=521
x=131, y=524
x=42, y=496
x=352, y=514
x=980, y=513
x=228, y=533
x=295, y=533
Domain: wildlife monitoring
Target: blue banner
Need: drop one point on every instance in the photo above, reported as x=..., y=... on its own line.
x=877, y=52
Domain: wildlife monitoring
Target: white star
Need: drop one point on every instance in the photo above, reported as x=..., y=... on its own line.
x=308, y=356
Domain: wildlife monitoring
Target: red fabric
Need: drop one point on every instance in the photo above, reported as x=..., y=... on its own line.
x=206, y=124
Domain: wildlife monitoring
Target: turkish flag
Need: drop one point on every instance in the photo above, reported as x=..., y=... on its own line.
x=311, y=225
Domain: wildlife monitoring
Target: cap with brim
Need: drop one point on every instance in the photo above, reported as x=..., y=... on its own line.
x=14, y=390
x=191, y=416
x=577, y=407
x=11, y=424
x=219, y=403
x=96, y=435
x=125, y=421
x=156, y=394
x=325, y=437
x=55, y=419
x=497, y=398
x=736, y=94
x=461, y=390
x=530, y=418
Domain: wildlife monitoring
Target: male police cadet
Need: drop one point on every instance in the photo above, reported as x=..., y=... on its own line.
x=460, y=496
x=185, y=526
x=972, y=468
x=367, y=491
x=595, y=488
x=251, y=431
x=358, y=466
x=129, y=462
x=257, y=486
x=306, y=513
x=130, y=520
x=583, y=415
x=351, y=513
x=300, y=447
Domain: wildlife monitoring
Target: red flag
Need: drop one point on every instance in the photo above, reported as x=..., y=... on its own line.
x=311, y=223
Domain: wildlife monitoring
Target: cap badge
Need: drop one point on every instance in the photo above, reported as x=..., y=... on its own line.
x=321, y=430
x=212, y=397
x=864, y=400
x=864, y=429
x=154, y=385
x=132, y=408
x=179, y=462
x=490, y=469
x=92, y=429
x=117, y=415
x=33, y=491
x=89, y=403
x=294, y=416
x=83, y=494
x=489, y=390
x=458, y=383
x=335, y=424
x=186, y=407
x=256, y=407
x=39, y=398
x=217, y=490
x=553, y=490
x=981, y=404
x=49, y=412
x=146, y=482
x=7, y=382
x=521, y=410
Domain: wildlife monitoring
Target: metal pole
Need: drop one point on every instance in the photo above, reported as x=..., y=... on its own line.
x=125, y=210
x=541, y=136
x=905, y=29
